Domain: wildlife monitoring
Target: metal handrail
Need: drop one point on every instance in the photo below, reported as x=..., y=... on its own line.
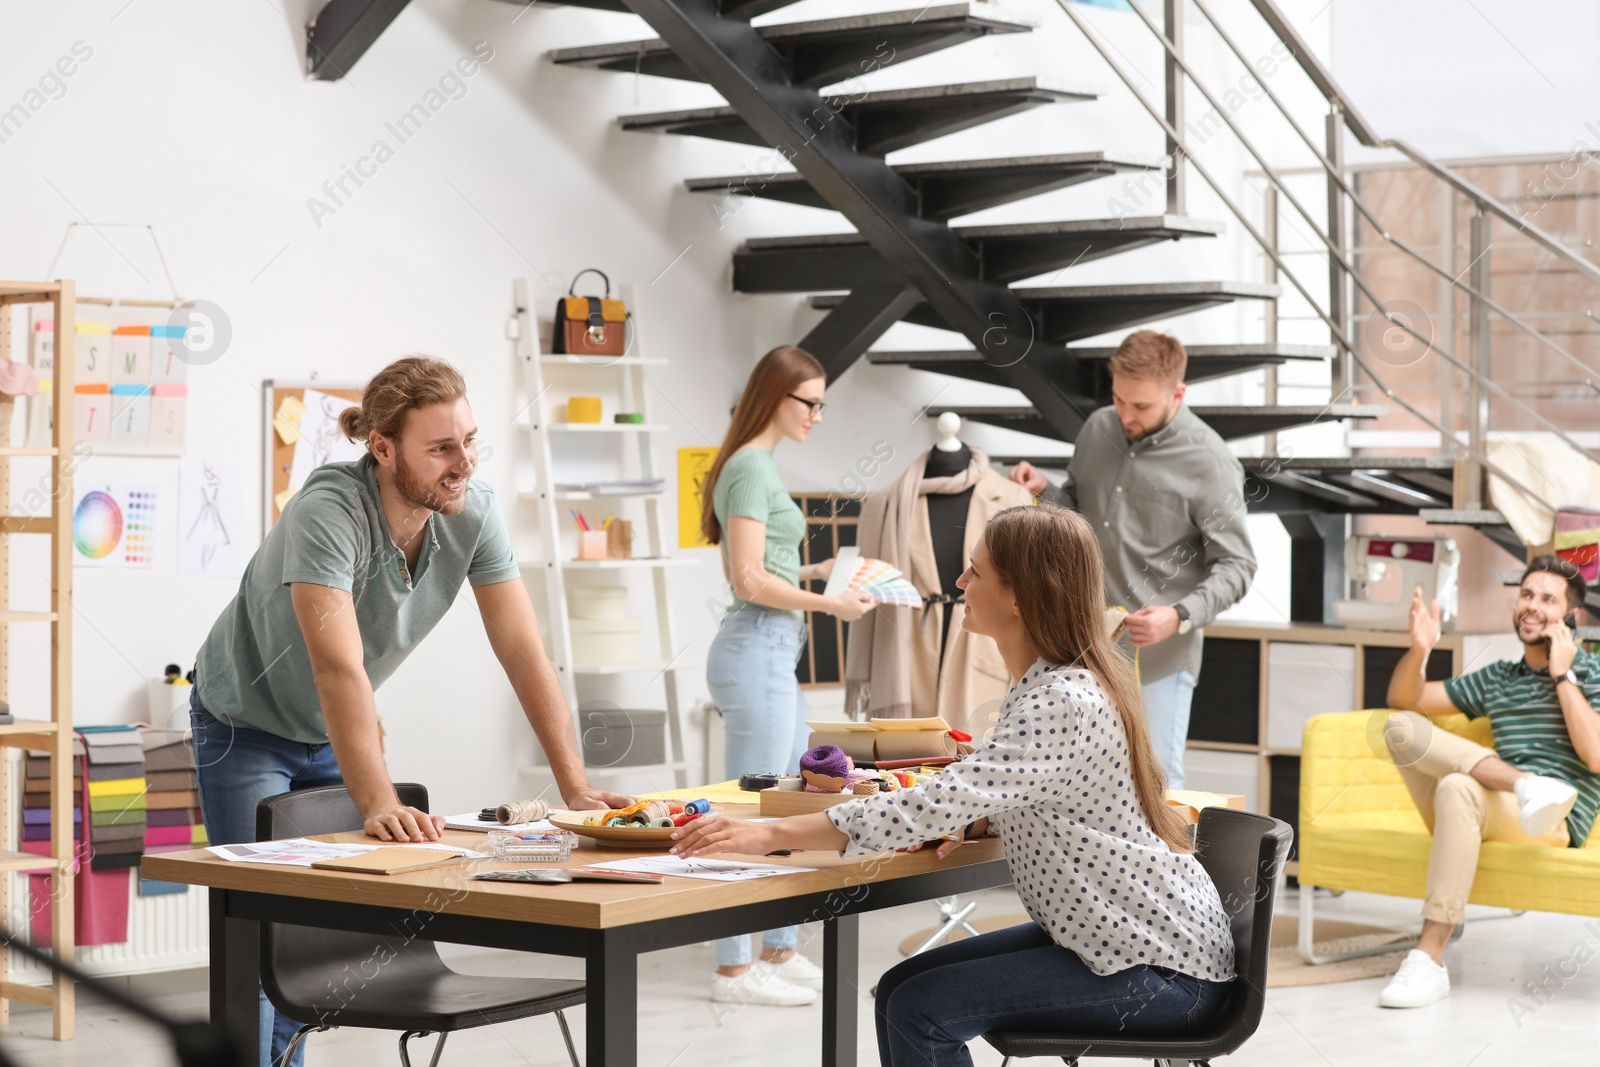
x=1175, y=59
x=1331, y=172
x=1335, y=329
x=1323, y=80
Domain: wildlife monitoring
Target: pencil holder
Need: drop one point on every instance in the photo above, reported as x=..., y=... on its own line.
x=592, y=544
x=619, y=539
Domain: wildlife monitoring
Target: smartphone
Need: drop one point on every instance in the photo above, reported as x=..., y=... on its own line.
x=1571, y=619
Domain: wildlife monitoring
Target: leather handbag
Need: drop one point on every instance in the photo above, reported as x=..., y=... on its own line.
x=589, y=325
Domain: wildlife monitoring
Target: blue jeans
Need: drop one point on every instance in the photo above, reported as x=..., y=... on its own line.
x=1166, y=709
x=237, y=769
x=750, y=672
x=929, y=1006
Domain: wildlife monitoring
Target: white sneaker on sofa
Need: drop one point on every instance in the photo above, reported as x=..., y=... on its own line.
x=760, y=985
x=1419, y=981
x=1542, y=802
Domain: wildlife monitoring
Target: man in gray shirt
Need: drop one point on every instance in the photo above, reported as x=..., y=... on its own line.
x=1166, y=498
x=364, y=562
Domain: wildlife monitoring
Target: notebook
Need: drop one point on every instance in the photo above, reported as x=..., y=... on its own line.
x=394, y=860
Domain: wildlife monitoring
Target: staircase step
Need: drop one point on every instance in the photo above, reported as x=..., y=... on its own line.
x=948, y=190
x=1205, y=361
x=1231, y=422
x=1362, y=485
x=1491, y=524
x=1063, y=314
x=1005, y=253
x=733, y=9
x=821, y=52
x=884, y=121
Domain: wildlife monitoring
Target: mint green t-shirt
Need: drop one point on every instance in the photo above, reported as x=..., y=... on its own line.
x=749, y=486
x=254, y=670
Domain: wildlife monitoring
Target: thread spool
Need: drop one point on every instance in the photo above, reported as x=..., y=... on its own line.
x=826, y=759
x=522, y=811
x=663, y=823
x=656, y=809
x=865, y=789
x=697, y=807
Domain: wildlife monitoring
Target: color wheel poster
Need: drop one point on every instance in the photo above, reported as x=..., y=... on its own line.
x=114, y=526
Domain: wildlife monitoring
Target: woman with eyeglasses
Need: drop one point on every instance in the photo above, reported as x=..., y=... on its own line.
x=751, y=666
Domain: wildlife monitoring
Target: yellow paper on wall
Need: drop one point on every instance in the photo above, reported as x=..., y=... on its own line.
x=281, y=500
x=693, y=466
x=287, y=421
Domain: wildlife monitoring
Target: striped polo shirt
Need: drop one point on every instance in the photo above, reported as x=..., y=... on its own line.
x=1530, y=732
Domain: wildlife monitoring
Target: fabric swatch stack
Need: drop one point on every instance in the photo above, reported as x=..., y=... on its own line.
x=172, y=812
x=36, y=800
x=117, y=800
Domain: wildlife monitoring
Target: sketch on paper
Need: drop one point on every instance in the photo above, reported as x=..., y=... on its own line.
x=211, y=519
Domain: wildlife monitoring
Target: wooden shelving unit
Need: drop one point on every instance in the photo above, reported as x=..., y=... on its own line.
x=53, y=737
x=1244, y=707
x=663, y=665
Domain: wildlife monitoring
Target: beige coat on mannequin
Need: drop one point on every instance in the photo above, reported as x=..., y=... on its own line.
x=895, y=671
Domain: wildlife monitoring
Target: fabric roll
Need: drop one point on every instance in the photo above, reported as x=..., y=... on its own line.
x=169, y=816
x=102, y=836
x=100, y=901
x=164, y=799
x=171, y=781
x=115, y=754
x=123, y=817
x=103, y=772
x=117, y=803
x=117, y=787
x=168, y=835
x=170, y=758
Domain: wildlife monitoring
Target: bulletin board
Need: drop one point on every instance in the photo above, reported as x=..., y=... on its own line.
x=295, y=423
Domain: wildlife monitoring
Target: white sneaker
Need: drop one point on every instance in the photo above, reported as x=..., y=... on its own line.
x=760, y=985
x=797, y=970
x=1419, y=981
x=1543, y=803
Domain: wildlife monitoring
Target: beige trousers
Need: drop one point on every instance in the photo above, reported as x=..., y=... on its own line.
x=1460, y=811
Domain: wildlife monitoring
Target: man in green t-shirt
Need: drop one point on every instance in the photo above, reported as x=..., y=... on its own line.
x=365, y=560
x=1538, y=786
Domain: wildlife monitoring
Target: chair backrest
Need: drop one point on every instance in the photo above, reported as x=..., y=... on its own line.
x=1243, y=853
x=309, y=973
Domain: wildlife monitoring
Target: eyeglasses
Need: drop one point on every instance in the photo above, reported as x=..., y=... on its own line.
x=815, y=407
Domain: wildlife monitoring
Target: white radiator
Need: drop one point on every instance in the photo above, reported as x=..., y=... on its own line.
x=165, y=933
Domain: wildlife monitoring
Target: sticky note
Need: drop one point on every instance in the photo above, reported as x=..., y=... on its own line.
x=287, y=420
x=281, y=501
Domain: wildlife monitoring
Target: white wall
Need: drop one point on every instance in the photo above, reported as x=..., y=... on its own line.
x=195, y=118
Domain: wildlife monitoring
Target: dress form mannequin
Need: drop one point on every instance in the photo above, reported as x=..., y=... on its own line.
x=947, y=512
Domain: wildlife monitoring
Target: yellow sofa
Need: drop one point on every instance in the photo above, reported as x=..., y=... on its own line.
x=1359, y=830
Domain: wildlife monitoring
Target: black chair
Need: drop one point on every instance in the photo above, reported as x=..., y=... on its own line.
x=327, y=978
x=1243, y=853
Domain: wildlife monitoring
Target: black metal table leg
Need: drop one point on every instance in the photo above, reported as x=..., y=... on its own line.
x=611, y=1009
x=841, y=945
x=235, y=976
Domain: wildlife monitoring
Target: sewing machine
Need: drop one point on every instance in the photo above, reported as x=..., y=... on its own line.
x=1433, y=563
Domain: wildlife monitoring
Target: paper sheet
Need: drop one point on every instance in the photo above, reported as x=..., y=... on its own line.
x=320, y=439
x=711, y=870
x=471, y=822
x=292, y=852
x=211, y=519
x=287, y=421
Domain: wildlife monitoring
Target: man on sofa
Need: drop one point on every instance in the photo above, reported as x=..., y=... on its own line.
x=1539, y=785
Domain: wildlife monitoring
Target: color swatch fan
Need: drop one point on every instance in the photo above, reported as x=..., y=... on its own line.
x=884, y=584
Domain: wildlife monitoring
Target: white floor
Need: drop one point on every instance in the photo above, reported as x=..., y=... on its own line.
x=1489, y=1019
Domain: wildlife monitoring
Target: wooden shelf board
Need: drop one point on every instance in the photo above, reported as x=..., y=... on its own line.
x=27, y=616
x=585, y=494
x=31, y=994
x=1223, y=746
x=631, y=668
x=8, y=451
x=25, y=861
x=611, y=564
x=601, y=362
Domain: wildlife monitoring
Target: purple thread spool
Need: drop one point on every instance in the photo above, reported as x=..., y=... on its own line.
x=826, y=759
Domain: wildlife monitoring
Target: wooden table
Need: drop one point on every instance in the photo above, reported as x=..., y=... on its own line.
x=606, y=924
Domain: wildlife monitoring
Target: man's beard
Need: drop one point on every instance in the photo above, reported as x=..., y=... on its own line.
x=1154, y=429
x=420, y=494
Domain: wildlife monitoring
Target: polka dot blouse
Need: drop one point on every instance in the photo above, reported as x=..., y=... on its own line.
x=1053, y=780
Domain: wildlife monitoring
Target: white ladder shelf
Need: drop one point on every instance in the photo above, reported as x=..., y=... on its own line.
x=555, y=562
